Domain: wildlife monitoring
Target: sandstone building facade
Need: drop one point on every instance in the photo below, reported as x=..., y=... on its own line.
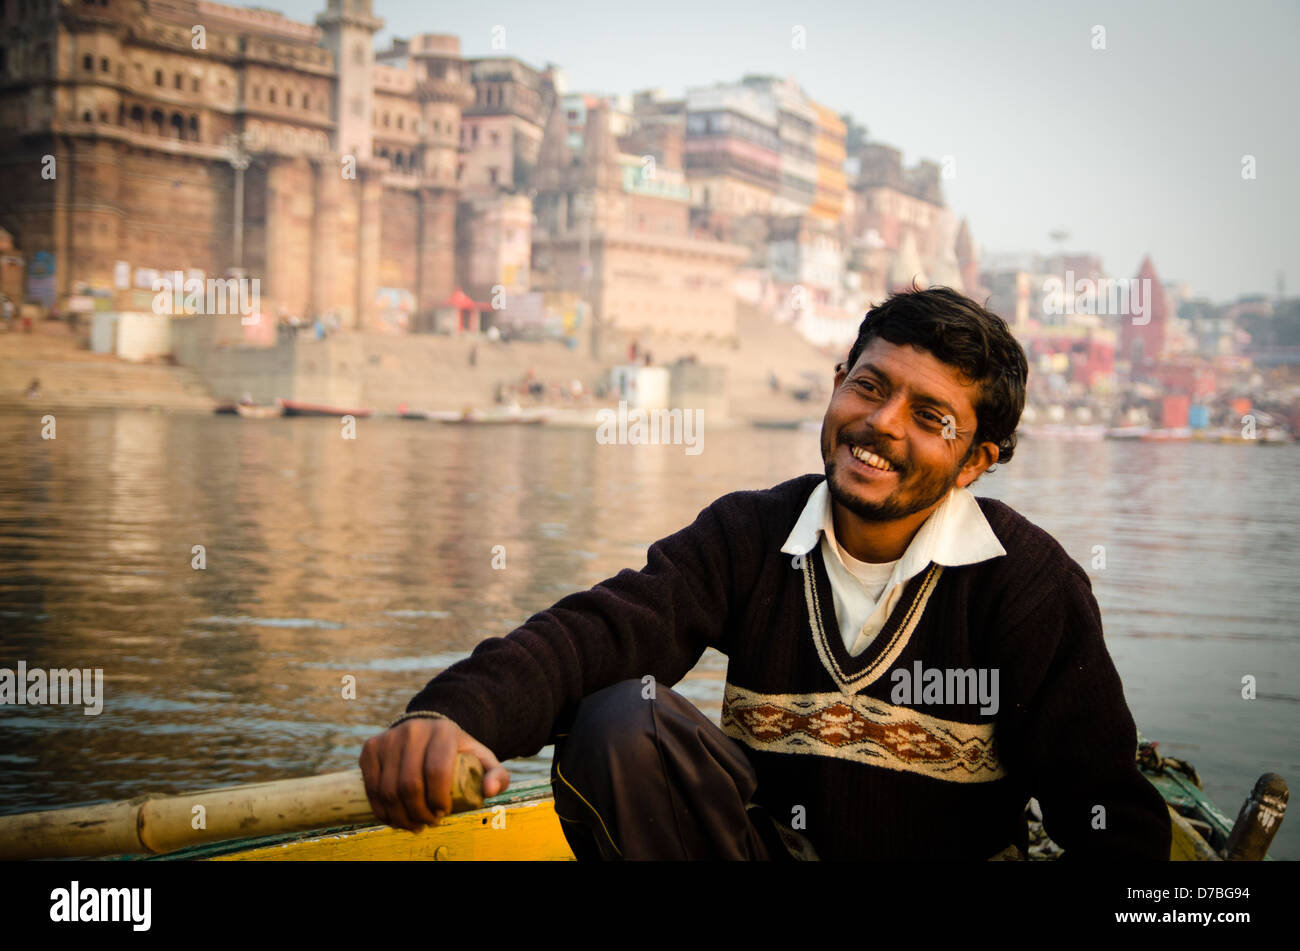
x=122, y=123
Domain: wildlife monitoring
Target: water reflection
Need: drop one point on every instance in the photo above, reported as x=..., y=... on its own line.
x=324, y=557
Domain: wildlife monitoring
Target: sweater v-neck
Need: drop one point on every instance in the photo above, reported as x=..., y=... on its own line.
x=851, y=673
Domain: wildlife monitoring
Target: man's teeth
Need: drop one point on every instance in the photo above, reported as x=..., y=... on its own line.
x=871, y=459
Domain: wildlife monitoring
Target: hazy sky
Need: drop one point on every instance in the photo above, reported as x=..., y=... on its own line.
x=1134, y=149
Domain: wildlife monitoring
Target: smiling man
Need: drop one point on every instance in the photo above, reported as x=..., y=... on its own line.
x=907, y=664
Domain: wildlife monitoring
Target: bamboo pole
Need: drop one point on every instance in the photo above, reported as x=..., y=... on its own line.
x=165, y=823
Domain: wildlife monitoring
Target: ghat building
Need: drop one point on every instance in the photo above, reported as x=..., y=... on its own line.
x=138, y=137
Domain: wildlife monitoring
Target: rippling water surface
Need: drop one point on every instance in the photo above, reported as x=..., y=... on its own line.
x=327, y=557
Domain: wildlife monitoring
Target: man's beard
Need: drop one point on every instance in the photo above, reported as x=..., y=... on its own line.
x=894, y=506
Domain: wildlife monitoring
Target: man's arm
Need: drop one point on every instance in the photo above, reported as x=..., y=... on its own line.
x=657, y=621
x=1069, y=732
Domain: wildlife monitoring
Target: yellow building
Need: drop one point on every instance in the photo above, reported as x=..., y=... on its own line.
x=828, y=199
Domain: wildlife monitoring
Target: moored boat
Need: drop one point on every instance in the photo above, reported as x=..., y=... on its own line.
x=522, y=417
x=1179, y=434
x=1086, y=432
x=254, y=411
x=298, y=408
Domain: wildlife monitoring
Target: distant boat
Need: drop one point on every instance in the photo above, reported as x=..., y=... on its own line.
x=1084, y=433
x=803, y=425
x=1178, y=434
x=254, y=411
x=1222, y=435
x=296, y=408
x=1127, y=432
x=523, y=417
x=225, y=409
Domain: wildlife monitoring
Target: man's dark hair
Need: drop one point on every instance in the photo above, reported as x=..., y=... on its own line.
x=961, y=333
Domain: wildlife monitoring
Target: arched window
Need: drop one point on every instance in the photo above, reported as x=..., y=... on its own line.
x=288, y=97
x=177, y=126
x=397, y=161
x=137, y=118
x=156, y=120
x=87, y=116
x=157, y=77
x=306, y=101
x=400, y=120
x=270, y=95
x=194, y=128
x=88, y=62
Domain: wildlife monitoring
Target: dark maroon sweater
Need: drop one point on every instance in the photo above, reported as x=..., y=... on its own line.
x=869, y=770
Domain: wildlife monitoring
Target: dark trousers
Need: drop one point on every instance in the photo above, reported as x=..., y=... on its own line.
x=651, y=777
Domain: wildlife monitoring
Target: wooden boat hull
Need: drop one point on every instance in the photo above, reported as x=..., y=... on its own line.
x=250, y=411
x=527, y=417
x=522, y=826
x=296, y=408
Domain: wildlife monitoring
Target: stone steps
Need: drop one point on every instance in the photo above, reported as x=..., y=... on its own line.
x=439, y=377
x=70, y=376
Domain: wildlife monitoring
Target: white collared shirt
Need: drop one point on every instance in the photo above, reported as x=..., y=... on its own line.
x=956, y=533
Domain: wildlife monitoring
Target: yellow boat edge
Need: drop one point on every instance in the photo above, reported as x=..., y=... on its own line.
x=516, y=832
x=511, y=832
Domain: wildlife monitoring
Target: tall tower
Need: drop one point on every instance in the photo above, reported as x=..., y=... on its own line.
x=348, y=28
x=444, y=90
x=967, y=259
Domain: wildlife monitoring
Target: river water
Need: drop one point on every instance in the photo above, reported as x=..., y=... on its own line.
x=325, y=557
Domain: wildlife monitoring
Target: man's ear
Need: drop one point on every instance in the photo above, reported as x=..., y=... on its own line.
x=841, y=370
x=981, y=457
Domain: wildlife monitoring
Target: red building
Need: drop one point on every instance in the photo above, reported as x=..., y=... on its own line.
x=1092, y=356
x=1142, y=344
x=1192, y=378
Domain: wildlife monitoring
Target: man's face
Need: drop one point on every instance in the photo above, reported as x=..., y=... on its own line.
x=914, y=412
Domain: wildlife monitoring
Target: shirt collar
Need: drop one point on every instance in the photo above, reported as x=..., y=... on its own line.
x=956, y=533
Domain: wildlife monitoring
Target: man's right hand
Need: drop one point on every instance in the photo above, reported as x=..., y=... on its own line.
x=408, y=771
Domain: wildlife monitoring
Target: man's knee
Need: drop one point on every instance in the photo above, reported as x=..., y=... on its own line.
x=611, y=718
